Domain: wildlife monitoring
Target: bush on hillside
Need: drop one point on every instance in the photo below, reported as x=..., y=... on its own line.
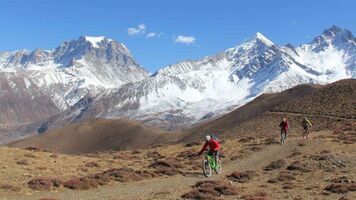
x=210, y=190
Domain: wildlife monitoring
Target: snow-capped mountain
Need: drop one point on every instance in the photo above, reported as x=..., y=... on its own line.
x=97, y=77
x=191, y=91
x=76, y=67
x=35, y=85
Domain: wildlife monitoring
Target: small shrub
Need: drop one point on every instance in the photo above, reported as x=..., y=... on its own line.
x=135, y=152
x=242, y=177
x=255, y=149
x=287, y=187
x=123, y=174
x=210, y=190
x=155, y=155
x=82, y=183
x=92, y=164
x=35, y=149
x=342, y=179
x=41, y=168
x=146, y=174
x=29, y=155
x=54, y=155
x=297, y=165
x=8, y=187
x=100, y=178
x=272, y=180
x=341, y=188
x=22, y=162
x=275, y=165
x=83, y=169
x=285, y=177
x=44, y=184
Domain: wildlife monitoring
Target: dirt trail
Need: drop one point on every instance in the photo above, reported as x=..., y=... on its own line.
x=309, y=115
x=174, y=187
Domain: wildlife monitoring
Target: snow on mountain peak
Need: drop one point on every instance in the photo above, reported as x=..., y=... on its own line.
x=94, y=40
x=262, y=38
x=252, y=47
x=333, y=29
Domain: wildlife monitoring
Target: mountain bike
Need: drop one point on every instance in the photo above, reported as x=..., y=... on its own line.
x=210, y=164
x=283, y=137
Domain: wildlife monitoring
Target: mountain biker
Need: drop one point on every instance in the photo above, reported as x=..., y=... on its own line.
x=214, y=147
x=284, y=128
x=306, y=124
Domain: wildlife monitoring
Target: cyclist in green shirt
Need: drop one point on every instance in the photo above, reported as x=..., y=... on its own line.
x=306, y=124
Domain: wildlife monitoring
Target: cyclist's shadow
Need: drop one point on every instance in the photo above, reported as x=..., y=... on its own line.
x=193, y=174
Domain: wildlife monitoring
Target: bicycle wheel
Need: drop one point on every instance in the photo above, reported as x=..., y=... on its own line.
x=218, y=168
x=206, y=168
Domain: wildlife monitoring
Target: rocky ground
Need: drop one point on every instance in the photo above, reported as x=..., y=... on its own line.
x=322, y=167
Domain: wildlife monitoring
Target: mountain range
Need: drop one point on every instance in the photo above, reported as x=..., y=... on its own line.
x=96, y=77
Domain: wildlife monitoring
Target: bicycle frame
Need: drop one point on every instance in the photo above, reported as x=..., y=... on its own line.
x=211, y=161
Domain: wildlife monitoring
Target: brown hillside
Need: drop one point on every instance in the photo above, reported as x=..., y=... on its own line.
x=265, y=102
x=329, y=107
x=259, y=118
x=337, y=99
x=97, y=135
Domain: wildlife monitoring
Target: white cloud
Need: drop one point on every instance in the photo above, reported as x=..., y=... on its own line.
x=140, y=29
x=154, y=34
x=185, y=39
x=151, y=34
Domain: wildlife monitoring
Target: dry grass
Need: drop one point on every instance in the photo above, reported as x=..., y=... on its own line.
x=336, y=99
x=210, y=190
x=170, y=160
x=19, y=167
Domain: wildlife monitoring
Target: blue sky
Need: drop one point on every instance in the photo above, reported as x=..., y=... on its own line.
x=184, y=29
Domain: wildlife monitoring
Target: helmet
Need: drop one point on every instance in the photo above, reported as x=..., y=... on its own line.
x=207, y=137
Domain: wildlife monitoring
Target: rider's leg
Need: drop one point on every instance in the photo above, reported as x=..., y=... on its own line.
x=282, y=136
x=305, y=133
x=217, y=154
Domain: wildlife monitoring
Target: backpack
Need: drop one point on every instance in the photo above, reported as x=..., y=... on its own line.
x=306, y=122
x=215, y=137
